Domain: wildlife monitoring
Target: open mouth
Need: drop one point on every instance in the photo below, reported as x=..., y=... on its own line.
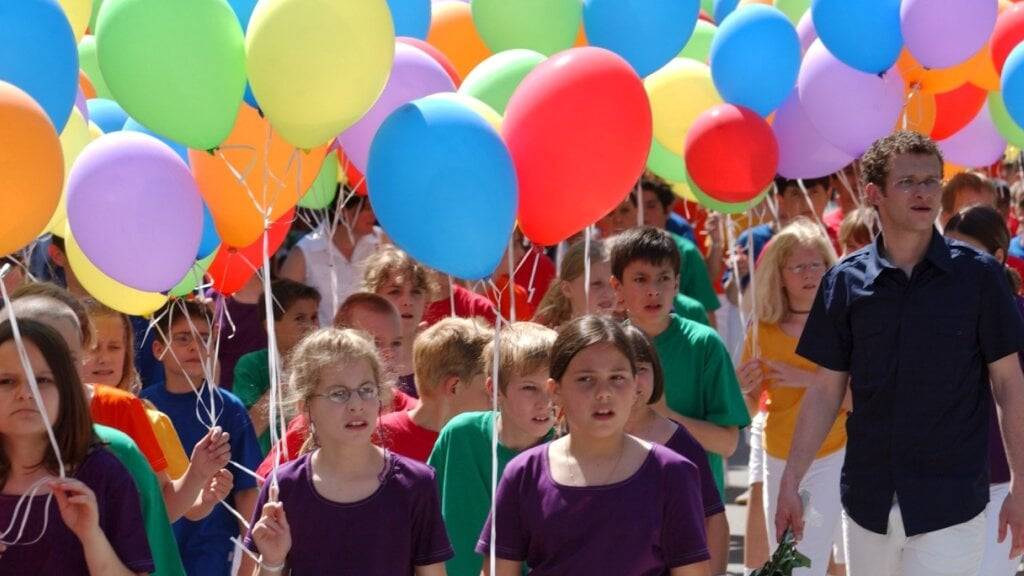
x=542, y=419
x=356, y=425
x=605, y=414
x=921, y=209
x=652, y=307
x=406, y=316
x=102, y=372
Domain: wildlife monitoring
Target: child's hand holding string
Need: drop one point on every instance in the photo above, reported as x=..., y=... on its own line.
x=218, y=487
x=272, y=534
x=78, y=508
x=212, y=453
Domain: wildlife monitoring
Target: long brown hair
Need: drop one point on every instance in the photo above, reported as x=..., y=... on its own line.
x=73, y=427
x=986, y=225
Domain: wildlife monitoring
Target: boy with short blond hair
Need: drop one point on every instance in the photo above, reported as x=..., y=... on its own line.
x=462, y=454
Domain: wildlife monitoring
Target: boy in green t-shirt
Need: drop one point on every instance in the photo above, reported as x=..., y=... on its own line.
x=701, y=390
x=462, y=454
x=295, y=315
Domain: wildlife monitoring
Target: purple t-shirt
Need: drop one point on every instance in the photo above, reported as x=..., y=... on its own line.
x=642, y=526
x=684, y=444
x=248, y=335
x=59, y=551
x=395, y=529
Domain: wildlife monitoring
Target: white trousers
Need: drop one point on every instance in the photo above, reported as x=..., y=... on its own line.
x=953, y=551
x=996, y=560
x=823, y=512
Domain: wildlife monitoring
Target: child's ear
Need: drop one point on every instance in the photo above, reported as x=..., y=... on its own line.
x=452, y=385
x=57, y=256
x=553, y=388
x=159, y=349
x=489, y=386
x=616, y=284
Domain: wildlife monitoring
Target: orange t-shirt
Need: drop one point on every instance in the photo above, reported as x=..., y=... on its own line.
x=784, y=402
x=121, y=410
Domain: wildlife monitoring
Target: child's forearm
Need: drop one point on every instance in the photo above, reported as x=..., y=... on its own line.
x=180, y=495
x=717, y=529
x=721, y=440
x=100, y=557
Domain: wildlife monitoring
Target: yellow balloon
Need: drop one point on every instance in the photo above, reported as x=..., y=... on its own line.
x=682, y=189
x=315, y=66
x=107, y=290
x=679, y=92
x=94, y=130
x=73, y=140
x=78, y=13
x=490, y=115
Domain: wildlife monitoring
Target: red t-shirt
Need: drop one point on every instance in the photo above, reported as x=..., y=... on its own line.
x=833, y=219
x=401, y=435
x=542, y=277
x=468, y=304
x=118, y=409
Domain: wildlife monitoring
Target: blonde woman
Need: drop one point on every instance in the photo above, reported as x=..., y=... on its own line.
x=787, y=279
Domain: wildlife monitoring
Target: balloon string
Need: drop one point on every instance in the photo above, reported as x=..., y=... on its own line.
x=451, y=294
x=638, y=195
x=494, y=442
x=751, y=258
x=511, y=286
x=810, y=205
x=586, y=267
x=532, y=289
x=272, y=356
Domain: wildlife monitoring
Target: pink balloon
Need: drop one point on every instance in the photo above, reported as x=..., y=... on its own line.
x=414, y=74
x=977, y=145
x=944, y=33
x=806, y=32
x=803, y=153
x=849, y=108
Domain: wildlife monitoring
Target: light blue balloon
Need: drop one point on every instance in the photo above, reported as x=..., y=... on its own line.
x=411, y=17
x=132, y=125
x=647, y=33
x=38, y=54
x=210, y=240
x=863, y=34
x=1012, y=84
x=755, y=58
x=243, y=10
x=107, y=114
x=443, y=186
x=723, y=8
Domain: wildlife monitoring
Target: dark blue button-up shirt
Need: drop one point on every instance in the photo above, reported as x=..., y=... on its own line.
x=917, y=350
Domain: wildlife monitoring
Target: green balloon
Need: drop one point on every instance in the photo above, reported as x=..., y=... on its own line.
x=708, y=6
x=176, y=67
x=1005, y=124
x=698, y=47
x=665, y=164
x=793, y=9
x=495, y=79
x=90, y=64
x=324, y=188
x=95, y=14
x=547, y=26
x=193, y=278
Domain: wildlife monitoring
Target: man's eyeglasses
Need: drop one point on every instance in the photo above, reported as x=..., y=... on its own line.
x=907, y=185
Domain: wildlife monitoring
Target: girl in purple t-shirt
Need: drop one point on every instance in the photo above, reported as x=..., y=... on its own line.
x=597, y=501
x=93, y=524
x=346, y=506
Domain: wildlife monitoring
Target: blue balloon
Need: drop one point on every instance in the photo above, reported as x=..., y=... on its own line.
x=755, y=58
x=411, y=17
x=243, y=10
x=249, y=97
x=443, y=186
x=211, y=239
x=647, y=33
x=723, y=8
x=132, y=125
x=863, y=34
x=107, y=114
x=38, y=55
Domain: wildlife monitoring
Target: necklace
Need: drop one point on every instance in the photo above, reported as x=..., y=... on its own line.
x=576, y=463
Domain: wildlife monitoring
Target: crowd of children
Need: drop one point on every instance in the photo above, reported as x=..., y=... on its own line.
x=422, y=429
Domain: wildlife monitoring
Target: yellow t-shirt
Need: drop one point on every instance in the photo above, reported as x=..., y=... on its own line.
x=167, y=438
x=783, y=401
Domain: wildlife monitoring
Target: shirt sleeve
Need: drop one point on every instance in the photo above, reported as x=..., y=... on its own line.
x=170, y=444
x=694, y=280
x=512, y=541
x=141, y=430
x=723, y=397
x=121, y=518
x=826, y=339
x=247, y=382
x=1000, y=328
x=430, y=541
x=683, y=539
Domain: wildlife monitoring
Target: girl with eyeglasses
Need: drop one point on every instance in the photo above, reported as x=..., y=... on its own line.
x=382, y=509
x=774, y=379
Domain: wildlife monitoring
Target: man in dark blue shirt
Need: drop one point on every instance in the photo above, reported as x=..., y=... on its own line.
x=918, y=326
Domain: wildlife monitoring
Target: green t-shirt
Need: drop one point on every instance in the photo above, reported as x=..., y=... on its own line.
x=462, y=462
x=252, y=380
x=690, y=309
x=700, y=381
x=694, y=280
x=154, y=513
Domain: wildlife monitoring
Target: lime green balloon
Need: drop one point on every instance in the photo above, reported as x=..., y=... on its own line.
x=698, y=47
x=95, y=14
x=793, y=9
x=708, y=6
x=176, y=67
x=324, y=188
x=1005, y=124
x=193, y=278
x=666, y=164
x=90, y=64
x=546, y=26
x=495, y=79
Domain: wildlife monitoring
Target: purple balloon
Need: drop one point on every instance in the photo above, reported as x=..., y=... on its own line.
x=849, y=108
x=414, y=74
x=944, y=33
x=976, y=145
x=803, y=153
x=135, y=210
x=80, y=103
x=806, y=32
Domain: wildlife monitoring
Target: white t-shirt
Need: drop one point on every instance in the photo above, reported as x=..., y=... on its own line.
x=322, y=256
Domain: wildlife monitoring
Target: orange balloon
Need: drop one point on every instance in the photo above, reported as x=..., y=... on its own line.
x=276, y=180
x=984, y=74
x=452, y=31
x=933, y=81
x=949, y=170
x=31, y=168
x=581, y=38
x=918, y=113
x=85, y=84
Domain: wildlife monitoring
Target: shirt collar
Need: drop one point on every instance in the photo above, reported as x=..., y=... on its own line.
x=937, y=254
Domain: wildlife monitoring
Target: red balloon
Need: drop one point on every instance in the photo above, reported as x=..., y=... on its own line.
x=436, y=54
x=1009, y=32
x=955, y=109
x=579, y=130
x=232, y=267
x=731, y=153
